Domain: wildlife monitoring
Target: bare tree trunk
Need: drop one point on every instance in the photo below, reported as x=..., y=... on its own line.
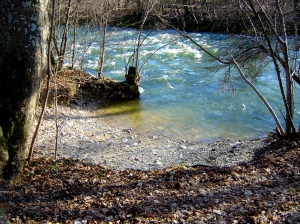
x=74, y=39
x=24, y=30
x=102, y=53
x=63, y=44
x=290, y=128
x=279, y=127
x=49, y=72
x=102, y=48
x=150, y=6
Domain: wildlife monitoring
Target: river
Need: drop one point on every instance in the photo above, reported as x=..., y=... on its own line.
x=181, y=91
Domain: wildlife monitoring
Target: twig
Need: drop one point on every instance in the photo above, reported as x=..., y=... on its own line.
x=56, y=119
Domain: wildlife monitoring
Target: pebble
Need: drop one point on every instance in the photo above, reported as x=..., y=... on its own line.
x=157, y=202
x=182, y=147
x=248, y=193
x=99, y=141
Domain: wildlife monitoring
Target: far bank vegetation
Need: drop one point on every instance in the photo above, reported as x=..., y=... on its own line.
x=190, y=15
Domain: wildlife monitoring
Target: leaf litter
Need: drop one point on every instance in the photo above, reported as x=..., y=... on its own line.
x=264, y=190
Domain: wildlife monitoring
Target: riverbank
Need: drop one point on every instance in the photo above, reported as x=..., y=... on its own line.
x=145, y=178
x=265, y=189
x=84, y=135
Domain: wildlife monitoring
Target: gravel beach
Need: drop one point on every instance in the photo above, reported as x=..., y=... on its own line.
x=145, y=178
x=84, y=135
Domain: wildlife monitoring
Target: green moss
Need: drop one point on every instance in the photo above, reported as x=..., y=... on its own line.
x=14, y=131
x=3, y=151
x=10, y=127
x=17, y=119
x=3, y=140
x=134, y=90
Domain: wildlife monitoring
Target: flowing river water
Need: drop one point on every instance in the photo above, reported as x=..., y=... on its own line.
x=181, y=91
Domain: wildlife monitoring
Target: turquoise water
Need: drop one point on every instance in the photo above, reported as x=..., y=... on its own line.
x=181, y=91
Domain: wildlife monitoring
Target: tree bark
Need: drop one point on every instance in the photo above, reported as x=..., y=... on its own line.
x=297, y=12
x=290, y=128
x=23, y=62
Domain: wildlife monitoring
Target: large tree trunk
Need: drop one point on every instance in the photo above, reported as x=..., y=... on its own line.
x=24, y=32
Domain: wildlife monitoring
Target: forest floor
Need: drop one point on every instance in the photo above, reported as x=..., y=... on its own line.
x=263, y=190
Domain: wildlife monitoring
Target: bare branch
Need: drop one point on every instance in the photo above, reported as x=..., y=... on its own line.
x=258, y=93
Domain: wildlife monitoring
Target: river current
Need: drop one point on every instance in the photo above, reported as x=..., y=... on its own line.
x=181, y=91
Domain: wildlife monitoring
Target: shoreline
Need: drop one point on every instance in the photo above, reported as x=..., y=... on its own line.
x=167, y=181
x=85, y=136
